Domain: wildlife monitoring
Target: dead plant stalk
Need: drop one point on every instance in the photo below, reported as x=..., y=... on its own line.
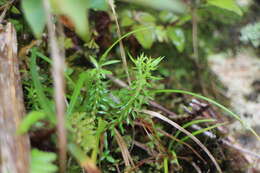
x=59, y=89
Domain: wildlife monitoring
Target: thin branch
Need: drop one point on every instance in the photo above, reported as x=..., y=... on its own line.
x=145, y=148
x=239, y=148
x=122, y=51
x=118, y=81
x=172, y=115
x=7, y=4
x=195, y=34
x=197, y=168
x=147, y=160
x=195, y=46
x=125, y=153
x=59, y=91
x=5, y=7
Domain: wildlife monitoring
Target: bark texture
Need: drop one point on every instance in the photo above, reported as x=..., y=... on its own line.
x=14, y=149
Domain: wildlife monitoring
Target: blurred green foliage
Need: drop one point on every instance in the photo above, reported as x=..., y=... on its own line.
x=251, y=34
x=43, y=162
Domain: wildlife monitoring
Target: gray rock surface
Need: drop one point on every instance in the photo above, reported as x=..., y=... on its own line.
x=241, y=77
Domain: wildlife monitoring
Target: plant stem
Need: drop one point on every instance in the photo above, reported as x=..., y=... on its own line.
x=122, y=51
x=59, y=91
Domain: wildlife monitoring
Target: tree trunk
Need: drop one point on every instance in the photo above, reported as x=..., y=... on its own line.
x=14, y=149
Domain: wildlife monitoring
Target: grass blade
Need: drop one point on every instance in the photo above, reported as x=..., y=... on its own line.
x=193, y=122
x=48, y=60
x=82, y=78
x=43, y=100
x=121, y=38
x=203, y=130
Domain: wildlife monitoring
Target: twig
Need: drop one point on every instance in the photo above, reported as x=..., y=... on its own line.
x=196, y=167
x=195, y=45
x=147, y=160
x=58, y=77
x=125, y=153
x=5, y=7
x=239, y=148
x=118, y=81
x=122, y=51
x=195, y=34
x=3, y=15
x=117, y=168
x=142, y=146
x=7, y=4
x=160, y=107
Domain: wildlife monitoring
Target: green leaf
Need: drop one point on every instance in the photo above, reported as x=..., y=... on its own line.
x=35, y=15
x=144, y=17
x=102, y=124
x=78, y=154
x=183, y=19
x=226, y=4
x=15, y=10
x=77, y=11
x=126, y=18
x=127, y=21
x=144, y=37
x=110, y=159
x=101, y=127
x=94, y=61
x=29, y=120
x=177, y=37
x=41, y=162
x=176, y=6
x=105, y=72
x=167, y=17
x=99, y=5
x=155, y=62
x=161, y=33
x=2, y=2
x=110, y=62
x=251, y=33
